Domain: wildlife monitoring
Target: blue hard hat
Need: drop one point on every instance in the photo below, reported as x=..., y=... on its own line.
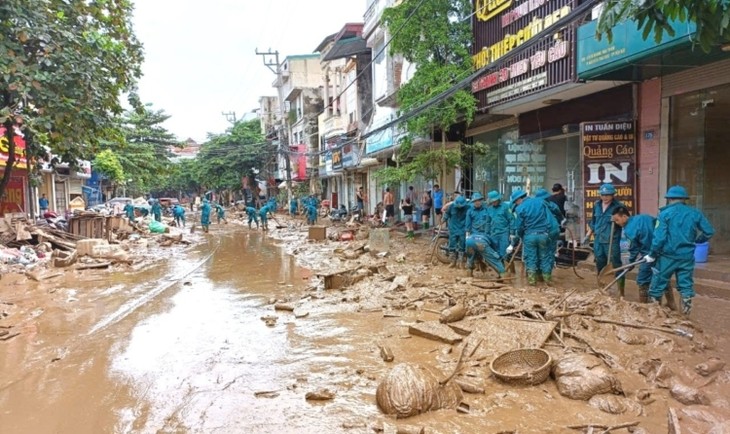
x=493, y=196
x=541, y=193
x=460, y=202
x=607, y=189
x=476, y=196
x=676, y=192
x=517, y=194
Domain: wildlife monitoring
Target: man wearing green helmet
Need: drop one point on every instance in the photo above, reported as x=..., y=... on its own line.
x=607, y=234
x=679, y=228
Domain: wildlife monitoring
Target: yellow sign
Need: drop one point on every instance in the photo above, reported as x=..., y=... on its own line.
x=488, y=9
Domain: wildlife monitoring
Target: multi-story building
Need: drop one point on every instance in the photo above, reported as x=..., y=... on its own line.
x=345, y=60
x=299, y=83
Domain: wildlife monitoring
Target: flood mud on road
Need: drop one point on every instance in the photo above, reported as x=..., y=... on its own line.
x=242, y=332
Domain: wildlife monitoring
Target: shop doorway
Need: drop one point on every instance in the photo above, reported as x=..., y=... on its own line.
x=698, y=156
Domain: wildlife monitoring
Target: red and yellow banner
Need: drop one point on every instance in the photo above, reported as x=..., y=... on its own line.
x=20, y=156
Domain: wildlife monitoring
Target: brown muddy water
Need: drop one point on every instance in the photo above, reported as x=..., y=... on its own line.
x=181, y=348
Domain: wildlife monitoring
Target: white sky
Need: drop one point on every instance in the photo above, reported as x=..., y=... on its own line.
x=200, y=55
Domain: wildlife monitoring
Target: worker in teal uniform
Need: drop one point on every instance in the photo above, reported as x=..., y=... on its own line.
x=205, y=215
x=129, y=211
x=533, y=224
x=220, y=213
x=601, y=226
x=555, y=212
x=253, y=216
x=679, y=228
x=455, y=217
x=264, y=216
x=501, y=221
x=293, y=206
x=157, y=210
x=178, y=212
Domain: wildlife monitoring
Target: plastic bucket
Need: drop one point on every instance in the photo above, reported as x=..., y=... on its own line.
x=702, y=250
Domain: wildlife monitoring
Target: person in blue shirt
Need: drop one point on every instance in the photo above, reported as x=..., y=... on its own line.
x=679, y=228
x=438, y=203
x=205, y=215
x=501, y=221
x=178, y=212
x=43, y=204
x=252, y=216
x=601, y=226
x=533, y=224
x=455, y=218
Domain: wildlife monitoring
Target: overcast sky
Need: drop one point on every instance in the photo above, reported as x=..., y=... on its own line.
x=200, y=55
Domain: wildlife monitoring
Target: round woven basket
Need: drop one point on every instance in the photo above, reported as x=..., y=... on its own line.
x=527, y=366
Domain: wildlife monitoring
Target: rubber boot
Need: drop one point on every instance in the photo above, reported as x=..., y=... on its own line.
x=644, y=294
x=532, y=279
x=470, y=272
x=547, y=278
x=425, y=226
x=686, y=306
x=454, y=258
x=621, y=287
x=501, y=278
x=669, y=296
x=460, y=261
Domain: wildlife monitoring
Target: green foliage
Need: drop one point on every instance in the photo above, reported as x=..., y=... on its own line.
x=144, y=148
x=436, y=36
x=225, y=158
x=63, y=67
x=181, y=177
x=107, y=163
x=711, y=16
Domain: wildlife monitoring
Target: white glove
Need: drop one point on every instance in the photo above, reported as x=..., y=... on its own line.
x=468, y=234
x=648, y=259
x=510, y=249
x=562, y=223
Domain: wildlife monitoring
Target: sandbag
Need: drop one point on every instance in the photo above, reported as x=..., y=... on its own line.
x=688, y=395
x=409, y=390
x=582, y=376
x=158, y=227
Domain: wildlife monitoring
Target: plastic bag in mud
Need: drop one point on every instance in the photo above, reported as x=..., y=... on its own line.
x=582, y=376
x=157, y=227
x=409, y=390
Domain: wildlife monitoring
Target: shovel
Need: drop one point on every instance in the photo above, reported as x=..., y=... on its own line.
x=608, y=269
x=624, y=273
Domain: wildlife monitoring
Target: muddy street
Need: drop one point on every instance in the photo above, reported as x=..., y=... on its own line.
x=194, y=344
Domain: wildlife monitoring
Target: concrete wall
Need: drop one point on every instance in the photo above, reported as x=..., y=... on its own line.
x=650, y=98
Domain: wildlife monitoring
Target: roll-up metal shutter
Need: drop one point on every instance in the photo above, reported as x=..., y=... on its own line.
x=702, y=77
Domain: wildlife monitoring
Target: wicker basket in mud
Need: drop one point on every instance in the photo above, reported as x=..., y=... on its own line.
x=527, y=366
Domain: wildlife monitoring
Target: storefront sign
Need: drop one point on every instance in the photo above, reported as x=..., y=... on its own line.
x=609, y=157
x=524, y=165
x=512, y=26
x=348, y=154
x=13, y=200
x=337, y=159
x=596, y=57
x=20, y=161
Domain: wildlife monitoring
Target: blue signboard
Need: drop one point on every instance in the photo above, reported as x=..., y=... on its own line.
x=379, y=141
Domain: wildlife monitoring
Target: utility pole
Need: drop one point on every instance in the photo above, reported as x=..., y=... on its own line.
x=230, y=116
x=271, y=61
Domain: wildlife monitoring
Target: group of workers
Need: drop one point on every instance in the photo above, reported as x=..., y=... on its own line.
x=263, y=213
x=662, y=247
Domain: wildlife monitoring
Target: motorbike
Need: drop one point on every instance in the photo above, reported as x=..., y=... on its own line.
x=55, y=221
x=338, y=214
x=441, y=248
x=356, y=212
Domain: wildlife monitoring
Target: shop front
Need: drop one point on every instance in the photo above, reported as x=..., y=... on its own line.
x=697, y=151
x=15, y=198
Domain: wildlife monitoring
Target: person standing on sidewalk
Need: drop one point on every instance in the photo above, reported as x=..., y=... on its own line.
x=407, y=207
x=43, y=204
x=361, y=201
x=533, y=225
x=679, y=228
x=426, y=205
x=602, y=227
x=438, y=203
x=389, y=202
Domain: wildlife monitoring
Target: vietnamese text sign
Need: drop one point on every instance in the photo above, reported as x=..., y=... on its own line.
x=609, y=157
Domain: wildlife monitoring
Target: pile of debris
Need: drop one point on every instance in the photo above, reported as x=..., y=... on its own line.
x=93, y=241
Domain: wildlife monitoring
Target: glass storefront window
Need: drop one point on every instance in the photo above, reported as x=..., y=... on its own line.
x=698, y=155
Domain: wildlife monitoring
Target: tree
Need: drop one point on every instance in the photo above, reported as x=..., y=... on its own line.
x=63, y=67
x=181, y=178
x=436, y=36
x=225, y=158
x=711, y=16
x=144, y=149
x=107, y=163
